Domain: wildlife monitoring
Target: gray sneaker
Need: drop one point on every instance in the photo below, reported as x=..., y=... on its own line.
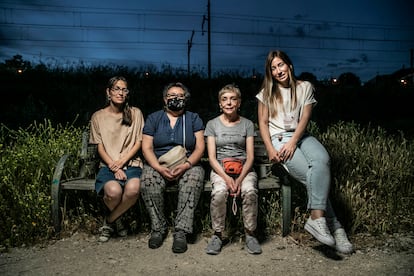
x=106, y=232
x=120, y=228
x=252, y=245
x=214, y=246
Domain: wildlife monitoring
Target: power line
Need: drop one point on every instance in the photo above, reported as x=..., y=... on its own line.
x=230, y=38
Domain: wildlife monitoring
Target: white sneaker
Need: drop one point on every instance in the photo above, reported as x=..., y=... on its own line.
x=333, y=224
x=319, y=230
x=342, y=244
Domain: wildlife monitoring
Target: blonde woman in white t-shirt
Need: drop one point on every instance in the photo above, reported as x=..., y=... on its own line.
x=284, y=109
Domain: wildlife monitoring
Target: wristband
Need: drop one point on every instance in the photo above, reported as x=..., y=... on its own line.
x=187, y=161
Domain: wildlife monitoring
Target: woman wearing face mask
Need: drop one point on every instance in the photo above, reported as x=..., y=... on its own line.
x=163, y=130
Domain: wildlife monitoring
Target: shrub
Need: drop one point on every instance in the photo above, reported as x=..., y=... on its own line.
x=28, y=158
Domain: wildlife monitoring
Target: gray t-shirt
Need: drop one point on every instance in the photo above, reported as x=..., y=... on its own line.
x=230, y=140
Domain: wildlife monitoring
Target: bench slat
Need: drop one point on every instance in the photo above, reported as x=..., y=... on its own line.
x=89, y=184
x=78, y=184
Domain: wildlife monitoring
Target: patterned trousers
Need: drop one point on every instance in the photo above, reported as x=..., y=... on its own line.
x=190, y=186
x=218, y=204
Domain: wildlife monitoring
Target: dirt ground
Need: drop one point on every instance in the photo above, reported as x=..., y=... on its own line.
x=297, y=254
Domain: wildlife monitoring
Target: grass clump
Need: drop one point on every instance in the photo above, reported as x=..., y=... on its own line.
x=373, y=175
x=28, y=158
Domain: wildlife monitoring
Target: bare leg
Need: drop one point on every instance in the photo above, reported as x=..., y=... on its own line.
x=315, y=214
x=127, y=199
x=112, y=194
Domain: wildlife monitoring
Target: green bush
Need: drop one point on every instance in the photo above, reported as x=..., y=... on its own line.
x=28, y=158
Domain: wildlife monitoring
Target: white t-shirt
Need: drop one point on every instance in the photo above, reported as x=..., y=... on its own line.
x=287, y=119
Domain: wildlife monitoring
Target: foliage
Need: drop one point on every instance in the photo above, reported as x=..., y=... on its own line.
x=372, y=188
x=373, y=176
x=27, y=161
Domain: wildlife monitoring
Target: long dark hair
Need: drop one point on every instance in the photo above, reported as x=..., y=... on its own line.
x=126, y=110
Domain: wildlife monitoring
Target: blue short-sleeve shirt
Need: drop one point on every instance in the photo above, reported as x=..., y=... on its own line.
x=158, y=126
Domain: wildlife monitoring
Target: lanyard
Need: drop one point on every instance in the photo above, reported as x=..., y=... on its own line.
x=234, y=205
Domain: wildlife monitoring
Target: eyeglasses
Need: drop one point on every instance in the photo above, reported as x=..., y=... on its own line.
x=174, y=95
x=119, y=89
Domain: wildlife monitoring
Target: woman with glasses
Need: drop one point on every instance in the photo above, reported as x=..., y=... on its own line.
x=117, y=131
x=230, y=146
x=284, y=109
x=165, y=130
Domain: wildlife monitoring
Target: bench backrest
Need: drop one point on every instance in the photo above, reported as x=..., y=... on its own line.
x=90, y=158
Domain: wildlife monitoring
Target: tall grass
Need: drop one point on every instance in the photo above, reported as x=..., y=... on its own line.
x=373, y=175
x=28, y=158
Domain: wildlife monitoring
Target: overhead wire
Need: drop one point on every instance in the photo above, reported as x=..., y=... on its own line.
x=152, y=44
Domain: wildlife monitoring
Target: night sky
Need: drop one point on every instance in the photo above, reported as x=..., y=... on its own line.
x=325, y=38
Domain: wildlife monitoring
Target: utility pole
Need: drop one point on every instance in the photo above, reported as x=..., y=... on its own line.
x=189, y=45
x=411, y=65
x=208, y=19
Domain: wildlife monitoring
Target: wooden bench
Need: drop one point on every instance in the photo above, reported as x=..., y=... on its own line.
x=89, y=161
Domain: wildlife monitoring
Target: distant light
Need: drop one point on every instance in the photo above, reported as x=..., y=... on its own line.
x=254, y=77
x=20, y=71
x=147, y=74
x=403, y=82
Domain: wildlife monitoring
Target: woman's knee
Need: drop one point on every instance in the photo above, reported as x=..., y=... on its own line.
x=219, y=198
x=132, y=188
x=249, y=195
x=112, y=190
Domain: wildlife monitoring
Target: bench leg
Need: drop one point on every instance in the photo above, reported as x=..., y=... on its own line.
x=55, y=207
x=286, y=208
x=55, y=192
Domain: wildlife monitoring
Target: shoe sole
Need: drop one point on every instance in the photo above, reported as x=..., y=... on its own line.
x=317, y=236
x=122, y=234
x=212, y=252
x=254, y=252
x=179, y=250
x=349, y=251
x=154, y=245
x=157, y=244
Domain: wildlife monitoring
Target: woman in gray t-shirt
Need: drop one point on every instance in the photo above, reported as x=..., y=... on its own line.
x=230, y=145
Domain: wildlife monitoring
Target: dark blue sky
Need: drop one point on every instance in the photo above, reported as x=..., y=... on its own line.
x=322, y=37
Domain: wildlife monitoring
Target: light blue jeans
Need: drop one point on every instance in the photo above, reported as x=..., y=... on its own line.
x=310, y=165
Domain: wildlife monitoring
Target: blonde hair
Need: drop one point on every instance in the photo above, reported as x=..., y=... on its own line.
x=272, y=96
x=229, y=88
